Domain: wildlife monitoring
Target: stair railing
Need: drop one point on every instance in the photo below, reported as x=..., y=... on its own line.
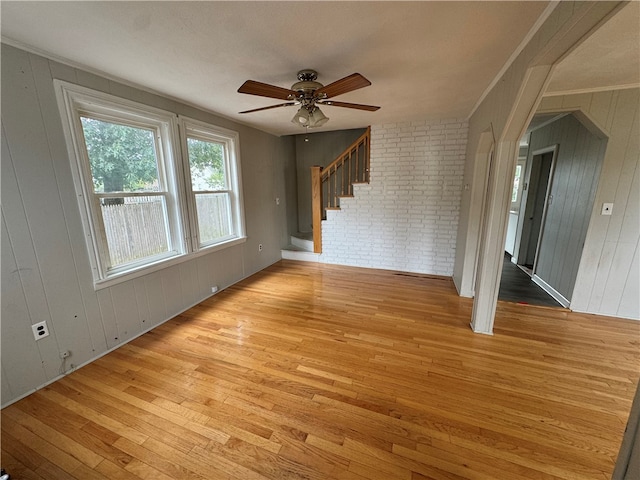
x=336, y=181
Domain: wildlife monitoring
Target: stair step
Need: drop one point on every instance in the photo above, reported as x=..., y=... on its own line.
x=345, y=196
x=303, y=241
x=332, y=208
x=291, y=252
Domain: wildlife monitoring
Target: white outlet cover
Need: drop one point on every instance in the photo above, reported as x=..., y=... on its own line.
x=607, y=209
x=40, y=330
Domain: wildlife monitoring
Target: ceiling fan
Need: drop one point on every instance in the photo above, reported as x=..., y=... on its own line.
x=308, y=93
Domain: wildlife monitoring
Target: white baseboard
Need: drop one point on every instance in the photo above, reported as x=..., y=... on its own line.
x=300, y=255
x=551, y=291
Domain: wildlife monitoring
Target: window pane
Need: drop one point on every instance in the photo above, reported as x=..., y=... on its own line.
x=206, y=162
x=516, y=183
x=122, y=158
x=214, y=216
x=135, y=228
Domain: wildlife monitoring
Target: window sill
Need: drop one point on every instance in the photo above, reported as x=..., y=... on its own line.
x=162, y=264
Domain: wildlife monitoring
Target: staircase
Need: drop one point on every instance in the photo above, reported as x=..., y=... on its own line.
x=300, y=248
x=328, y=186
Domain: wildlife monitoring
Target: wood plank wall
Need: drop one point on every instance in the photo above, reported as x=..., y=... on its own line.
x=575, y=179
x=45, y=268
x=608, y=279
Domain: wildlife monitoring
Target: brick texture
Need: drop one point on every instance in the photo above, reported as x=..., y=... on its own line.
x=406, y=219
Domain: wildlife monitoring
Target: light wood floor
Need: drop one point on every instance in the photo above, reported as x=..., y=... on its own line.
x=306, y=371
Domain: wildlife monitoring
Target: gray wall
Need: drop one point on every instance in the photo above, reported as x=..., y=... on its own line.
x=573, y=187
x=321, y=149
x=45, y=266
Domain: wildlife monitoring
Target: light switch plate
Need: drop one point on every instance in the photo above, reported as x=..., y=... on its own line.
x=607, y=208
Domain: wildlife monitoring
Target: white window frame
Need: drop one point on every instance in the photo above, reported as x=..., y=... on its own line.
x=74, y=101
x=191, y=128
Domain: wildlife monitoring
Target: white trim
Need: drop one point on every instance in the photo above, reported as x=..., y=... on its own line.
x=164, y=263
x=525, y=41
x=73, y=101
x=231, y=141
x=481, y=332
x=579, y=91
x=551, y=291
x=553, y=150
x=76, y=101
x=301, y=256
x=548, y=122
x=610, y=315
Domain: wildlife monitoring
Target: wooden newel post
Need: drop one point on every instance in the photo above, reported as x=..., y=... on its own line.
x=316, y=207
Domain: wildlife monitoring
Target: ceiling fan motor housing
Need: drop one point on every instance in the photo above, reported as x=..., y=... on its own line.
x=306, y=86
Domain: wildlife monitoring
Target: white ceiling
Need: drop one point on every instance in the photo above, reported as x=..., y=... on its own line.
x=426, y=60
x=609, y=58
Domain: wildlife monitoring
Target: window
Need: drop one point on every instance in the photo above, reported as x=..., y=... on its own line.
x=516, y=192
x=516, y=184
x=212, y=173
x=146, y=197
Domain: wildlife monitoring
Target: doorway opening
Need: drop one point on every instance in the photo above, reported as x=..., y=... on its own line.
x=538, y=200
x=548, y=228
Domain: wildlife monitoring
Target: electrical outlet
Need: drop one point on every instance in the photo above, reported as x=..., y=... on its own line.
x=260, y=247
x=214, y=289
x=40, y=330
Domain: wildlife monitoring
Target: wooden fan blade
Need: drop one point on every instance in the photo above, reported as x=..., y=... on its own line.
x=251, y=87
x=288, y=104
x=344, y=85
x=369, y=108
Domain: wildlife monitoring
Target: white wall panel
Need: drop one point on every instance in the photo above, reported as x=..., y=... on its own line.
x=172, y=290
x=142, y=301
x=108, y=313
x=30, y=150
x=22, y=370
x=155, y=298
x=607, y=276
x=628, y=307
x=189, y=283
x=125, y=308
x=44, y=84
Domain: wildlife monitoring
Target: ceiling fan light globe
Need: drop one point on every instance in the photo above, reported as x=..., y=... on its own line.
x=302, y=117
x=317, y=118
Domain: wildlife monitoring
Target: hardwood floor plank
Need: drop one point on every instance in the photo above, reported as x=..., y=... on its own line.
x=316, y=372
x=85, y=407
x=368, y=458
x=19, y=458
x=46, y=451
x=111, y=470
x=18, y=469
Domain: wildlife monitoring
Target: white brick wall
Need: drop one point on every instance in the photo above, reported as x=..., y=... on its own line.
x=407, y=217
